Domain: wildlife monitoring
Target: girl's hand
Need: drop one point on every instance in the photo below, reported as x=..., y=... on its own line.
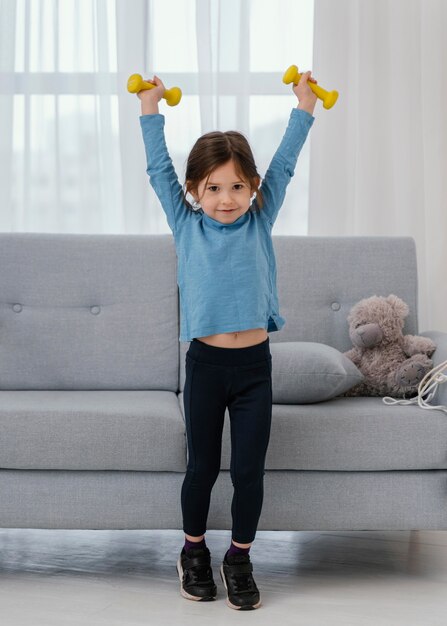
x=307, y=98
x=156, y=93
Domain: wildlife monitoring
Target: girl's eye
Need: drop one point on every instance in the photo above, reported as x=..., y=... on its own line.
x=215, y=186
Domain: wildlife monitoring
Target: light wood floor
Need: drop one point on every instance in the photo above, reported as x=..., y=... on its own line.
x=128, y=578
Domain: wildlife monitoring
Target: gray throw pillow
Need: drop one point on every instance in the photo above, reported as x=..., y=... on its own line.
x=304, y=372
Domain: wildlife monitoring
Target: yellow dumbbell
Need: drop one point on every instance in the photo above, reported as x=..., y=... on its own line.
x=136, y=84
x=329, y=98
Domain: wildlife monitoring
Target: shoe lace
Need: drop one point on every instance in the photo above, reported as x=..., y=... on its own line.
x=243, y=582
x=200, y=574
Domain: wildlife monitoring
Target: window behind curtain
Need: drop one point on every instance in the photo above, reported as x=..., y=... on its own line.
x=66, y=146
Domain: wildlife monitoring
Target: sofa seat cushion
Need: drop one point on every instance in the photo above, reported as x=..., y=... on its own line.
x=92, y=430
x=351, y=434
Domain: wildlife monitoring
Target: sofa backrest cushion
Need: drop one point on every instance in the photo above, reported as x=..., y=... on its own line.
x=320, y=278
x=87, y=311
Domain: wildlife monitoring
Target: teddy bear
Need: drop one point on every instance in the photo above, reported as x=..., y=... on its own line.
x=391, y=362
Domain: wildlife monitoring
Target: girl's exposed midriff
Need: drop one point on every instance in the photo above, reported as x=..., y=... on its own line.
x=239, y=339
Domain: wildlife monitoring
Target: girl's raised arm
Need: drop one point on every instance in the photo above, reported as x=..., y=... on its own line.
x=162, y=175
x=282, y=165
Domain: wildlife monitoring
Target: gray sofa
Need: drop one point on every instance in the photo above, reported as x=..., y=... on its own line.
x=92, y=432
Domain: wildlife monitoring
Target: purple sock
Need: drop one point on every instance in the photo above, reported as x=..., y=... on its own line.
x=236, y=550
x=194, y=544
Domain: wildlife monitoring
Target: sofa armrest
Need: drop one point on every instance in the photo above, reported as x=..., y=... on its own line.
x=439, y=355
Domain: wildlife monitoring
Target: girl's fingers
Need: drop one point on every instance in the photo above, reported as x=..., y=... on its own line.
x=307, y=76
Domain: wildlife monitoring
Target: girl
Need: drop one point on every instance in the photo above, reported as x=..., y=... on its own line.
x=228, y=302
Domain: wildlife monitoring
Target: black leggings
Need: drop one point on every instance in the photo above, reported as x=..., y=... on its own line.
x=240, y=378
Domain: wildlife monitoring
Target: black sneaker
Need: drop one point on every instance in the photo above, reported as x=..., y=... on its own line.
x=236, y=573
x=196, y=575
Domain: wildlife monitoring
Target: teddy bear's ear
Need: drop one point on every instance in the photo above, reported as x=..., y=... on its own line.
x=402, y=309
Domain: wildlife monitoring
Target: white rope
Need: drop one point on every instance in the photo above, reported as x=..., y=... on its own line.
x=434, y=377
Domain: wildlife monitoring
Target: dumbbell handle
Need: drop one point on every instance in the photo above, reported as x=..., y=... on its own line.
x=291, y=75
x=136, y=83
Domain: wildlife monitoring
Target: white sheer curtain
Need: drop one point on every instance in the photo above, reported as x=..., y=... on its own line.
x=72, y=154
x=379, y=158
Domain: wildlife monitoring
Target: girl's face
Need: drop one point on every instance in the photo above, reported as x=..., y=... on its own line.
x=226, y=197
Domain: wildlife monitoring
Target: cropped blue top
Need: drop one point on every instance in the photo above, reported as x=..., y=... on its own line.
x=226, y=273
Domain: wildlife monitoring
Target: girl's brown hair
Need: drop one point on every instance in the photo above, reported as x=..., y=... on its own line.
x=217, y=148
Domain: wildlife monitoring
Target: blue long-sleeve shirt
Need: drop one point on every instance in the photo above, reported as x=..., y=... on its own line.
x=226, y=273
